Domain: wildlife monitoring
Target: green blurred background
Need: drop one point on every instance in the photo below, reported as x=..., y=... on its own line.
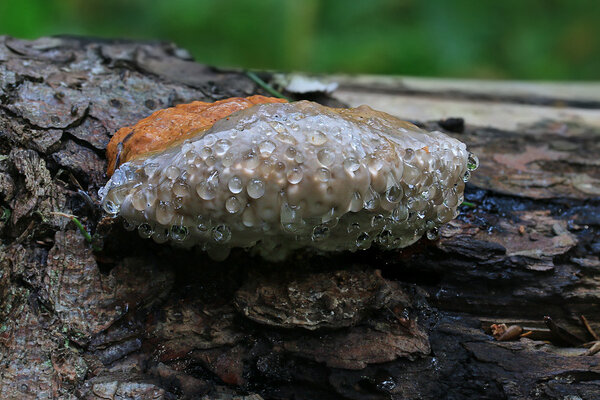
x=506, y=39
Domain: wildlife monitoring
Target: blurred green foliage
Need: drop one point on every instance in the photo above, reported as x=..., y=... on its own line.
x=516, y=39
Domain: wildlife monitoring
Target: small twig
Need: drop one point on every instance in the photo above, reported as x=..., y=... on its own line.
x=255, y=78
x=593, y=350
x=468, y=204
x=589, y=328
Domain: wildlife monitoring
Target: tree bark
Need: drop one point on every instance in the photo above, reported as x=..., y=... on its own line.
x=122, y=317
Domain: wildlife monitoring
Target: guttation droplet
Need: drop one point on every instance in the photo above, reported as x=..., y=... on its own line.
x=326, y=157
x=362, y=240
x=294, y=175
x=394, y=194
x=233, y=204
x=145, y=230
x=222, y=146
x=467, y=176
x=266, y=147
x=433, y=234
x=320, y=232
x=472, y=162
x=235, y=185
x=317, y=138
x=128, y=225
x=351, y=165
x=255, y=188
x=206, y=191
x=323, y=174
x=172, y=172
x=353, y=227
x=164, y=213
x=221, y=233
x=179, y=233
x=111, y=207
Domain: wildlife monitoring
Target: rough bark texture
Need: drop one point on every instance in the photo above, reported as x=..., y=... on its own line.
x=139, y=320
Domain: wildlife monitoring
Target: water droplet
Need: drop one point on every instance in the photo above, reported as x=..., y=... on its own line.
x=323, y=174
x=172, y=172
x=227, y=160
x=266, y=148
x=128, y=225
x=248, y=217
x=160, y=235
x=394, y=194
x=205, y=152
x=235, y=185
x=320, y=232
x=179, y=233
x=286, y=138
x=180, y=188
x=233, y=204
x=250, y=160
x=294, y=176
x=221, y=233
x=400, y=214
x=472, y=162
x=371, y=200
x=138, y=200
x=188, y=152
x=203, y=224
x=374, y=163
x=363, y=240
x=433, y=234
x=290, y=218
x=213, y=178
x=317, y=138
x=222, y=146
x=206, y=191
x=255, y=188
x=209, y=140
x=326, y=157
x=467, y=176
x=277, y=126
x=351, y=165
x=377, y=220
x=111, y=208
x=164, y=213
x=210, y=161
x=353, y=227
x=291, y=152
x=164, y=190
x=385, y=238
x=145, y=230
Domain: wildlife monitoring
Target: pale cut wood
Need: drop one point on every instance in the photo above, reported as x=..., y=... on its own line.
x=576, y=91
x=500, y=115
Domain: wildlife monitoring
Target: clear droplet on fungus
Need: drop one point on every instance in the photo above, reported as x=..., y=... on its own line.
x=221, y=234
x=179, y=233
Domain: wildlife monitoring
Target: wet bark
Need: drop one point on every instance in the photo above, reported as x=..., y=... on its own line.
x=122, y=317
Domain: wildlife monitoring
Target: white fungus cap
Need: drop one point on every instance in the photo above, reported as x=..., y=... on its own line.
x=284, y=176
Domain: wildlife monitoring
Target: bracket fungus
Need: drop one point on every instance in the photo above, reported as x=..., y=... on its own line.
x=275, y=177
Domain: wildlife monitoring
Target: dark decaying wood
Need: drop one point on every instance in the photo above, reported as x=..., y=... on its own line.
x=140, y=320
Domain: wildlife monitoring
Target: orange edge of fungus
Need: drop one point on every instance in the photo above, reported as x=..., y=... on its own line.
x=167, y=127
